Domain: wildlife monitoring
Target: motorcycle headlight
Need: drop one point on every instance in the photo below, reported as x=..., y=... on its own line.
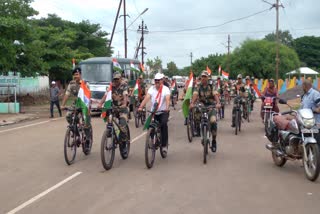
x=308, y=123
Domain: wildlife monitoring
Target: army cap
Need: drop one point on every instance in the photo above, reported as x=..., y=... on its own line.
x=116, y=75
x=204, y=73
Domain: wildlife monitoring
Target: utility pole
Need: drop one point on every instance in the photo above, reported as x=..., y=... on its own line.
x=191, y=58
x=144, y=30
x=276, y=5
x=118, y=56
x=125, y=28
x=115, y=24
x=228, y=56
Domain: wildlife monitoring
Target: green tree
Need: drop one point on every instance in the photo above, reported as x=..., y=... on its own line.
x=15, y=31
x=285, y=38
x=171, y=70
x=257, y=58
x=155, y=64
x=308, y=50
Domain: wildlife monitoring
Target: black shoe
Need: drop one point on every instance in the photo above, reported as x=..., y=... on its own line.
x=233, y=125
x=51, y=117
x=214, y=146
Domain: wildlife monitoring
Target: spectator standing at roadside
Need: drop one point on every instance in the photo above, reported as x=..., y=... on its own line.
x=54, y=98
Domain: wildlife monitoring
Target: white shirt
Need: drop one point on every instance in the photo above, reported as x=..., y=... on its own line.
x=154, y=92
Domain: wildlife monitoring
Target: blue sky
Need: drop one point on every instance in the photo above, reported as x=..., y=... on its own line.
x=299, y=17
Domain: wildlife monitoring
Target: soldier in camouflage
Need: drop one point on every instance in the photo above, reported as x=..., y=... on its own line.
x=72, y=92
x=239, y=89
x=208, y=96
x=119, y=100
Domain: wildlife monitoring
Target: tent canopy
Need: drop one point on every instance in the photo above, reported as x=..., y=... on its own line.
x=303, y=71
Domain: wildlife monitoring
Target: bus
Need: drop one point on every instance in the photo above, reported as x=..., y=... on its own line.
x=98, y=71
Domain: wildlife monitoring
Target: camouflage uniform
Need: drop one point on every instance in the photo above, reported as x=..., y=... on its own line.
x=72, y=91
x=239, y=89
x=118, y=94
x=206, y=96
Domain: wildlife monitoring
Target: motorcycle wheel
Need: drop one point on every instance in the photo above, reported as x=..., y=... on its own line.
x=311, y=162
x=278, y=160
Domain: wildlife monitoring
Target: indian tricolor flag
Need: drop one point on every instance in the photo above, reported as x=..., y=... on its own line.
x=141, y=67
x=173, y=85
x=116, y=65
x=136, y=89
x=225, y=75
x=134, y=68
x=154, y=109
x=219, y=70
x=208, y=70
x=257, y=93
x=83, y=100
x=107, y=104
x=188, y=96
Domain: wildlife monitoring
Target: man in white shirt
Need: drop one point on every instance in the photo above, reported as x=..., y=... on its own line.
x=160, y=100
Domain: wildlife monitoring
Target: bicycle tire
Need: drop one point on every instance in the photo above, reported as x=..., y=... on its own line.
x=107, y=164
x=239, y=121
x=150, y=148
x=85, y=150
x=248, y=112
x=72, y=146
x=189, y=130
x=125, y=154
x=205, y=144
x=136, y=117
x=236, y=122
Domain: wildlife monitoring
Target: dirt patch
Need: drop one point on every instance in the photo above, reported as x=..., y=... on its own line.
x=28, y=99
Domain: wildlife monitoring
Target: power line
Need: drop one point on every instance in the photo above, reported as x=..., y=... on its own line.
x=212, y=26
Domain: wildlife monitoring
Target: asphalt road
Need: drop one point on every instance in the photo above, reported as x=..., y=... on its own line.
x=239, y=178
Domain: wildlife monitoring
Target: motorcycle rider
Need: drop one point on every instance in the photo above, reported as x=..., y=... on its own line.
x=270, y=91
x=208, y=96
x=310, y=100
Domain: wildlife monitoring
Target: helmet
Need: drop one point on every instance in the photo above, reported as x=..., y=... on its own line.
x=247, y=77
x=239, y=76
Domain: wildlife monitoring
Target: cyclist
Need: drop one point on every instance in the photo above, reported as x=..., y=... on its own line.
x=270, y=91
x=174, y=91
x=159, y=94
x=72, y=91
x=119, y=100
x=208, y=96
x=239, y=90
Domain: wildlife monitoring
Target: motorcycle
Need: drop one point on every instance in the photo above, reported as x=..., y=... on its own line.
x=297, y=142
x=268, y=105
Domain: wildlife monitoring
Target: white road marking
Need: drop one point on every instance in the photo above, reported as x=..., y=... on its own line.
x=34, y=199
x=21, y=127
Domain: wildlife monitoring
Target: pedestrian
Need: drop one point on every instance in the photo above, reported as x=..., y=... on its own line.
x=54, y=98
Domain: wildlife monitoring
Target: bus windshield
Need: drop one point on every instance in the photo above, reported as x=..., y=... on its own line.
x=96, y=72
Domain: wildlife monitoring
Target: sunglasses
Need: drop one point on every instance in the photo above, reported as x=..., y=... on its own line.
x=204, y=76
x=116, y=79
x=156, y=80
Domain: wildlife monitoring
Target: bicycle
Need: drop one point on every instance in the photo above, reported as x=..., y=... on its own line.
x=248, y=109
x=205, y=129
x=220, y=113
x=174, y=97
x=139, y=116
x=238, y=118
x=153, y=141
x=111, y=139
x=75, y=133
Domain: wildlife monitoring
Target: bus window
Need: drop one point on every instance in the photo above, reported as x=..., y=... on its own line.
x=96, y=72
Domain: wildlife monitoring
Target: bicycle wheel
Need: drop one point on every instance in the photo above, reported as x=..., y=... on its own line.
x=205, y=144
x=143, y=117
x=189, y=129
x=236, y=122
x=239, y=120
x=86, y=148
x=248, y=112
x=70, y=148
x=107, y=149
x=124, y=147
x=150, y=148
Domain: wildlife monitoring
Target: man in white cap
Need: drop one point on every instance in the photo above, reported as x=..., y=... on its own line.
x=54, y=98
x=159, y=94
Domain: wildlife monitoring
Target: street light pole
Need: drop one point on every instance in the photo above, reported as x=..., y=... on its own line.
x=125, y=28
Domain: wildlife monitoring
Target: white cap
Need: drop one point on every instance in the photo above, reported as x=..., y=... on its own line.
x=158, y=76
x=53, y=82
